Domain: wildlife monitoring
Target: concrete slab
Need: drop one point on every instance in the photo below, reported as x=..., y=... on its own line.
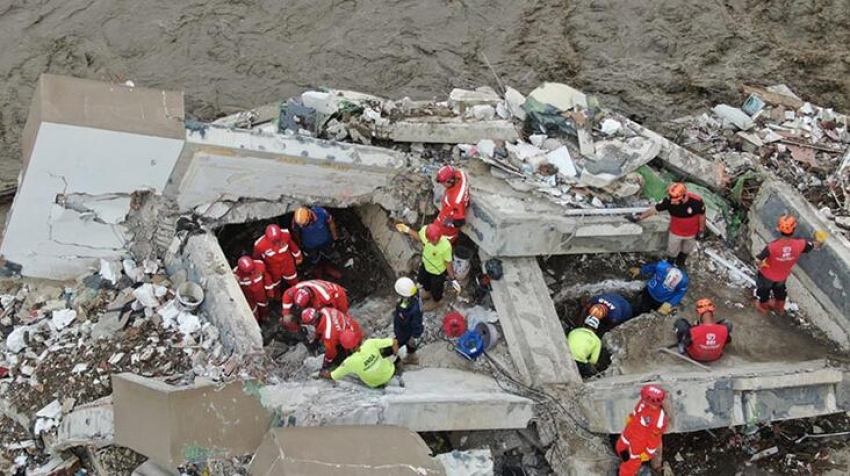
x=397, y=248
x=445, y=130
x=756, y=393
x=344, y=451
x=88, y=425
x=534, y=335
x=509, y=223
x=820, y=283
x=172, y=425
x=431, y=400
x=149, y=468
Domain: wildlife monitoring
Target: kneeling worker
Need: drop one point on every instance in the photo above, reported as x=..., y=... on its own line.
x=614, y=307
x=585, y=345
x=369, y=360
x=664, y=290
x=703, y=342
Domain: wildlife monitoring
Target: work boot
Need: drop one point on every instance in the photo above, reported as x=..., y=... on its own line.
x=411, y=359
x=681, y=347
x=763, y=307
x=680, y=260
x=778, y=306
x=425, y=295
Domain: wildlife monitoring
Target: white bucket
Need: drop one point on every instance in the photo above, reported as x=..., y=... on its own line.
x=190, y=295
x=461, y=262
x=490, y=334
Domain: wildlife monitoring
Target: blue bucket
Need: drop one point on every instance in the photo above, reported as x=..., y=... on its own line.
x=470, y=345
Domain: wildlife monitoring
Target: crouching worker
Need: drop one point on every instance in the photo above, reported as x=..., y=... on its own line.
x=704, y=341
x=407, y=318
x=585, y=345
x=665, y=289
x=369, y=361
x=330, y=326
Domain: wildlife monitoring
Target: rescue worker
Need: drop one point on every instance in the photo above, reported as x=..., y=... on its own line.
x=328, y=325
x=436, y=263
x=314, y=293
x=281, y=255
x=614, y=308
x=641, y=439
x=407, y=318
x=585, y=345
x=664, y=290
x=316, y=232
x=704, y=341
x=256, y=284
x=455, y=201
x=687, y=221
x=775, y=263
x=368, y=360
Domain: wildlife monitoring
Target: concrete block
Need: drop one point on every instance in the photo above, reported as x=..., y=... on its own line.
x=87, y=147
x=464, y=99
x=534, y=335
x=559, y=95
x=88, y=425
x=234, y=164
x=820, y=283
x=432, y=399
x=224, y=303
x=617, y=158
x=445, y=130
x=397, y=248
x=149, y=468
x=171, y=425
x=734, y=116
x=344, y=451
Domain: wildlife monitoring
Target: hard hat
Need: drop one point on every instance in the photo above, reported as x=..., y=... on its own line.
x=405, y=287
x=301, y=298
x=349, y=339
x=598, y=311
x=705, y=305
x=274, y=233
x=652, y=394
x=454, y=324
x=592, y=322
x=309, y=316
x=433, y=233
x=246, y=265
x=673, y=278
x=445, y=173
x=677, y=191
x=787, y=224
x=302, y=216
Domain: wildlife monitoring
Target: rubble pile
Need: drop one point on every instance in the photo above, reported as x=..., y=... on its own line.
x=62, y=343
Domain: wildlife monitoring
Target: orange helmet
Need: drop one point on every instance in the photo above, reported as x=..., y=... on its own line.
x=302, y=216
x=787, y=224
x=598, y=311
x=677, y=191
x=705, y=305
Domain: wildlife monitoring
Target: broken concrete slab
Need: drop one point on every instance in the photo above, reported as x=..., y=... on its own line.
x=344, y=451
x=464, y=99
x=445, y=130
x=534, y=335
x=467, y=463
x=396, y=248
x=617, y=158
x=171, y=425
x=559, y=95
x=149, y=468
x=734, y=116
x=756, y=393
x=820, y=283
x=433, y=399
x=91, y=424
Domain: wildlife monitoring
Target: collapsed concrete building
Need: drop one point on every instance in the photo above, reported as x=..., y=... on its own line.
x=113, y=171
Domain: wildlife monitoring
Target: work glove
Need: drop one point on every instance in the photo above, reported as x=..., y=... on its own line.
x=325, y=374
x=821, y=236
x=401, y=227
x=455, y=285
x=635, y=272
x=665, y=309
x=763, y=263
x=633, y=218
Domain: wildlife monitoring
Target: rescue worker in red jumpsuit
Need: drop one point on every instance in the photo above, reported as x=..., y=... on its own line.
x=775, y=263
x=704, y=341
x=641, y=439
x=329, y=325
x=280, y=253
x=256, y=284
x=455, y=201
x=314, y=293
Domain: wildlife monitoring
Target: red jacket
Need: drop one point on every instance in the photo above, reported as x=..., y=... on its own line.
x=782, y=255
x=257, y=285
x=644, y=428
x=331, y=325
x=325, y=294
x=279, y=258
x=707, y=342
x=456, y=199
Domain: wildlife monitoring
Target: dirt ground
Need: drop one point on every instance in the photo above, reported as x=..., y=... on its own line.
x=653, y=59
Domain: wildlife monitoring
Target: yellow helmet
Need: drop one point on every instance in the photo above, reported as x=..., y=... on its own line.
x=302, y=216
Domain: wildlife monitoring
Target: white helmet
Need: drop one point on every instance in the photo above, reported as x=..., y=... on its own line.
x=405, y=287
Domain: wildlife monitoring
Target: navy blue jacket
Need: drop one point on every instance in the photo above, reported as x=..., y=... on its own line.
x=407, y=320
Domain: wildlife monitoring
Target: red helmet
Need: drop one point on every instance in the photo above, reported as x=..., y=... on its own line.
x=301, y=298
x=349, y=339
x=446, y=173
x=652, y=395
x=309, y=316
x=274, y=233
x=246, y=265
x=433, y=233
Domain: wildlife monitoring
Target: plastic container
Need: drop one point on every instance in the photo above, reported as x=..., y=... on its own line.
x=454, y=324
x=489, y=334
x=190, y=295
x=470, y=345
x=461, y=262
